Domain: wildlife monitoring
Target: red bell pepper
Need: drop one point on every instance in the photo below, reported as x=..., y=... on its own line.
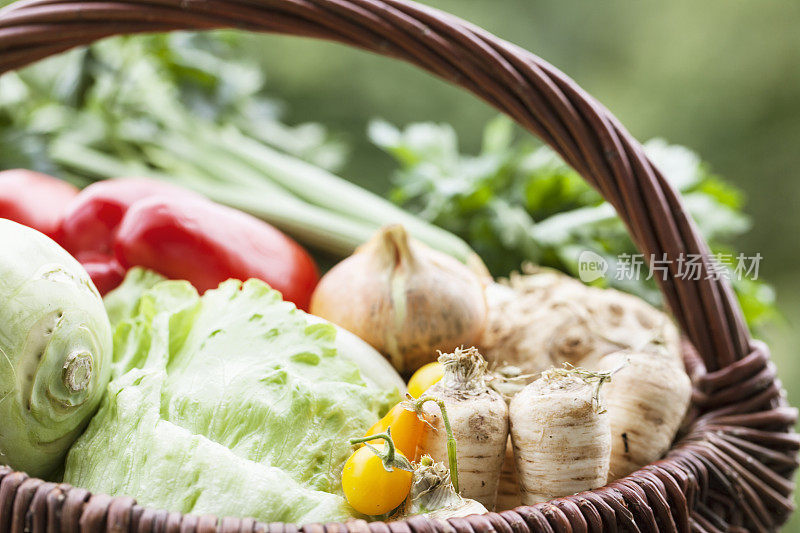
x=89, y=225
x=106, y=272
x=91, y=221
x=206, y=244
x=34, y=199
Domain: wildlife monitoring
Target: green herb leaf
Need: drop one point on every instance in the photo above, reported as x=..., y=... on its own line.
x=517, y=201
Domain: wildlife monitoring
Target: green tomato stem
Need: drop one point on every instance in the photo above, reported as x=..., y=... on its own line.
x=389, y=457
x=451, y=440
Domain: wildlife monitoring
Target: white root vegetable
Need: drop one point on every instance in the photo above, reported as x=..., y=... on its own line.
x=433, y=495
x=508, y=381
x=403, y=298
x=478, y=417
x=544, y=318
x=508, y=495
x=646, y=401
x=561, y=435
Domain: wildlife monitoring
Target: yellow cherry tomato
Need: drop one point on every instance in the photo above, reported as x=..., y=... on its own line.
x=368, y=487
x=406, y=429
x=425, y=378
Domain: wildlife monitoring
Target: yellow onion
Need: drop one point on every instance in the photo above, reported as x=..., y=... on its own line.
x=405, y=299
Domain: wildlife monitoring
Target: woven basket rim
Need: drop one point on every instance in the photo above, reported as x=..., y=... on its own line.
x=733, y=468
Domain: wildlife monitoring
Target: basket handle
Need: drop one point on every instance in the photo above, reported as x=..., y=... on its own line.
x=537, y=95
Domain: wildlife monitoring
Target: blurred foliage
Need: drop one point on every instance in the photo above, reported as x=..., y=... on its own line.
x=517, y=201
x=131, y=86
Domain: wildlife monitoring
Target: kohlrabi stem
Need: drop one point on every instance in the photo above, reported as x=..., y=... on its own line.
x=77, y=371
x=451, y=440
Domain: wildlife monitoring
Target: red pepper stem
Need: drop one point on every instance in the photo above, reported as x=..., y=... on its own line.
x=451, y=440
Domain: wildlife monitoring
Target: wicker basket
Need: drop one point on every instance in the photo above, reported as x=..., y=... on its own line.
x=732, y=470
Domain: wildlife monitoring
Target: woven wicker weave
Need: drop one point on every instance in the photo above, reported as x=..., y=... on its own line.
x=733, y=469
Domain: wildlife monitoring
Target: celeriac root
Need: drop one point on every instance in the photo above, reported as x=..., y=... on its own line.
x=545, y=318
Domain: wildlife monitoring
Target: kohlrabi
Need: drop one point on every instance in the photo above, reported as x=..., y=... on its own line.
x=55, y=350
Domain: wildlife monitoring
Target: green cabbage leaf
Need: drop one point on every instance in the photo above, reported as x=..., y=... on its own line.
x=233, y=403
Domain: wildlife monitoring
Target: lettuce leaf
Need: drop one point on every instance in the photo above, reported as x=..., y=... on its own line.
x=233, y=403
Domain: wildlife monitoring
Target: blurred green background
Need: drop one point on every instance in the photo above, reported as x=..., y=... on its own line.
x=719, y=76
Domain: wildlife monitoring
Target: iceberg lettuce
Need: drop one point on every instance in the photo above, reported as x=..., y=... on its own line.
x=233, y=403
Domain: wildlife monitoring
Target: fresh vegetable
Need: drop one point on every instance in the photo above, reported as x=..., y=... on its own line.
x=34, y=199
x=508, y=494
x=232, y=404
x=561, y=435
x=105, y=271
x=55, y=350
x=405, y=426
x=89, y=225
x=123, y=302
x=433, y=495
x=92, y=220
x=407, y=422
x=517, y=202
x=375, y=370
x=405, y=299
x=646, y=401
x=549, y=318
x=377, y=477
x=425, y=378
x=374, y=367
x=206, y=244
x=479, y=419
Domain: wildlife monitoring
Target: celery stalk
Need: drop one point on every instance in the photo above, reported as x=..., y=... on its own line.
x=313, y=205
x=333, y=193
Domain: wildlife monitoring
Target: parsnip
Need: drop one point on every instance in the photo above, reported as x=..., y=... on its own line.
x=479, y=420
x=646, y=401
x=433, y=495
x=508, y=495
x=561, y=435
x=508, y=381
